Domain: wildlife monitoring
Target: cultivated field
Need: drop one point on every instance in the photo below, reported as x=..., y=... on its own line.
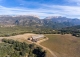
x=63, y=45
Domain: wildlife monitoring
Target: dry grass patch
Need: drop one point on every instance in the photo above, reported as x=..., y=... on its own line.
x=21, y=38
x=63, y=45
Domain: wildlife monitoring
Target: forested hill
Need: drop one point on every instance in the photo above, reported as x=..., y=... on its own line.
x=74, y=30
x=53, y=22
x=77, y=27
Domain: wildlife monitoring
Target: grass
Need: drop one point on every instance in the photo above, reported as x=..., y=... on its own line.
x=11, y=31
x=63, y=45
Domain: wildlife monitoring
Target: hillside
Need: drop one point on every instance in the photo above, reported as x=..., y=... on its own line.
x=74, y=30
x=77, y=27
x=61, y=19
x=36, y=22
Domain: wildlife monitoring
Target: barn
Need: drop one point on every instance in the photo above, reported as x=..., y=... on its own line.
x=36, y=38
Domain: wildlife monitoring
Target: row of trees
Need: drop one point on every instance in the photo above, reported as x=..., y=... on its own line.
x=71, y=31
x=22, y=49
x=13, y=34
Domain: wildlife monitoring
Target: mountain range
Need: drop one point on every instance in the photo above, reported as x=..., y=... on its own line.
x=54, y=22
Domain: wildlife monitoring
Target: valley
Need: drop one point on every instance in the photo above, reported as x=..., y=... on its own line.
x=39, y=28
x=61, y=36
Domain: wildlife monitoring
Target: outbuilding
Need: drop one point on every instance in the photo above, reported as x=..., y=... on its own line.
x=36, y=38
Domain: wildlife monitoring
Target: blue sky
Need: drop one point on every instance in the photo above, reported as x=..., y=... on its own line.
x=41, y=8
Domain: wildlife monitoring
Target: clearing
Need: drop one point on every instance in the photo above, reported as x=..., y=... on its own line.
x=24, y=37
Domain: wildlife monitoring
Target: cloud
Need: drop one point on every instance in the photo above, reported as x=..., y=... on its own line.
x=28, y=3
x=74, y=2
x=44, y=11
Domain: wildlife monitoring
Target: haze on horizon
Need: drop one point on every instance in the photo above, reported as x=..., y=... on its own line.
x=41, y=8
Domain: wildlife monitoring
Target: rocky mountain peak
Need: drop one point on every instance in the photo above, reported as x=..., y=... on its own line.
x=50, y=17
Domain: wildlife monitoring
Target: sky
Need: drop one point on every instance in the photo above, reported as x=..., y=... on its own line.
x=41, y=8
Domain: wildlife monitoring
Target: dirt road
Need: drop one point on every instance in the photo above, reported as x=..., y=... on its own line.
x=45, y=48
x=24, y=37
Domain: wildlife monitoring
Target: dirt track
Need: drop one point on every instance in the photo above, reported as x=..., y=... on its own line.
x=45, y=48
x=21, y=38
x=24, y=38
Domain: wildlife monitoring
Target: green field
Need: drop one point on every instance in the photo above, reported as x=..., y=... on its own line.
x=63, y=45
x=11, y=31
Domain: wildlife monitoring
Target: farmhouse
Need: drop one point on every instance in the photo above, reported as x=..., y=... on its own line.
x=36, y=38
